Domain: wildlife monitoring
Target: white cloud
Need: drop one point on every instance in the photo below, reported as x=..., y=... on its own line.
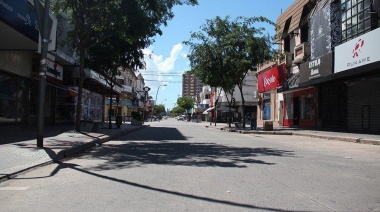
x=157, y=63
x=160, y=70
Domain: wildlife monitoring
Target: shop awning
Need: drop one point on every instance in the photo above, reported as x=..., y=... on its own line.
x=208, y=110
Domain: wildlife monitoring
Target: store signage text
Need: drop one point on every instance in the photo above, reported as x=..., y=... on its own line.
x=20, y=15
x=54, y=70
x=314, y=68
x=357, y=52
x=321, y=66
x=268, y=81
x=358, y=62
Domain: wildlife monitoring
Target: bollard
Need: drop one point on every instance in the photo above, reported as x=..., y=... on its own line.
x=118, y=121
x=253, y=124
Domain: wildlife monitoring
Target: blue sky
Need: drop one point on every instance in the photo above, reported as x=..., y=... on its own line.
x=168, y=56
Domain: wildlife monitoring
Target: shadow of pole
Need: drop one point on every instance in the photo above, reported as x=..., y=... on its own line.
x=235, y=204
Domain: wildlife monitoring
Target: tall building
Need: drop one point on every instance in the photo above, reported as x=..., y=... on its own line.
x=191, y=85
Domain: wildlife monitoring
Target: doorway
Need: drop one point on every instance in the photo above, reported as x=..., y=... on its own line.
x=296, y=110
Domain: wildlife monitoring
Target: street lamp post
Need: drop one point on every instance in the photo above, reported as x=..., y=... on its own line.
x=146, y=90
x=155, y=101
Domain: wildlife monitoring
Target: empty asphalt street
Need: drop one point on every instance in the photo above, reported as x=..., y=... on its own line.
x=184, y=166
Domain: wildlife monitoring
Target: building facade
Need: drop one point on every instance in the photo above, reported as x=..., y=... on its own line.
x=191, y=85
x=19, y=71
x=332, y=65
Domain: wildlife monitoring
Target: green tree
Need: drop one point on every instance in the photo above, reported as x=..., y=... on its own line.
x=113, y=56
x=132, y=21
x=223, y=52
x=158, y=109
x=178, y=110
x=185, y=102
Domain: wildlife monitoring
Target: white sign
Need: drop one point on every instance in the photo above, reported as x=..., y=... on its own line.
x=127, y=88
x=357, y=52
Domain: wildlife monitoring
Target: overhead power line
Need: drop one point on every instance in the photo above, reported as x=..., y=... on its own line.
x=164, y=80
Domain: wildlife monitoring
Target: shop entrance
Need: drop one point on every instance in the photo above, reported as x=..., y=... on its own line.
x=296, y=110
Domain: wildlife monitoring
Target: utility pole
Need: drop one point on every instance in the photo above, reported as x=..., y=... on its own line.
x=43, y=19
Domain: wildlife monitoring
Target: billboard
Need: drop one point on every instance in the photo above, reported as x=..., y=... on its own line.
x=324, y=31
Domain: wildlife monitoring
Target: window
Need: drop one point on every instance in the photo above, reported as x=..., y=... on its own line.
x=356, y=19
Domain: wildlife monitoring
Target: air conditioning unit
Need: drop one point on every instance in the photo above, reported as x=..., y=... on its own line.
x=301, y=52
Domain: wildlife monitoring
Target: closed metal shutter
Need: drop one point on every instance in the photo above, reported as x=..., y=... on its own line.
x=364, y=105
x=333, y=105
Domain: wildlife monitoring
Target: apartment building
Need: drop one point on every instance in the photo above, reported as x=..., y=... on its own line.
x=191, y=85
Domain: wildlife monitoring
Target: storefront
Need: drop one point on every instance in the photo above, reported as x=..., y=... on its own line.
x=268, y=81
x=18, y=40
x=13, y=98
x=357, y=64
x=301, y=103
x=299, y=108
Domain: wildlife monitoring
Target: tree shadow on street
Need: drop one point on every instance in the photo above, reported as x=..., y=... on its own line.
x=156, y=134
x=167, y=146
x=180, y=154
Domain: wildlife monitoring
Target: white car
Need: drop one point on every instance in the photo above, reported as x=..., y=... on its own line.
x=182, y=118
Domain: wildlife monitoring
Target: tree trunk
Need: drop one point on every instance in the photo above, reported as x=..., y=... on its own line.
x=110, y=113
x=242, y=102
x=80, y=91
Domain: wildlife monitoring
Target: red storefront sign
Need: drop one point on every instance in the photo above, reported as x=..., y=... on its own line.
x=271, y=79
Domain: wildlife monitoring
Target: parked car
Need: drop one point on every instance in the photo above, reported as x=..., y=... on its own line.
x=181, y=118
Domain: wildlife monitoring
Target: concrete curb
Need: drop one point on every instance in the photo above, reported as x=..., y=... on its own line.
x=73, y=151
x=274, y=132
x=345, y=139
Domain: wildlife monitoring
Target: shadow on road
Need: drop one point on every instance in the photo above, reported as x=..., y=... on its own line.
x=156, y=134
x=62, y=165
x=181, y=154
x=167, y=146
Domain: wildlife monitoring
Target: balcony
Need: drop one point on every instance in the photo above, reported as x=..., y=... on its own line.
x=301, y=53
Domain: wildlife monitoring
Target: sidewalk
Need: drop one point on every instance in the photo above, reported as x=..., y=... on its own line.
x=19, y=152
x=339, y=136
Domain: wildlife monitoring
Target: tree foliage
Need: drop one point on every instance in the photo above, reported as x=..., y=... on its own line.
x=102, y=24
x=185, y=102
x=224, y=51
x=159, y=109
x=178, y=110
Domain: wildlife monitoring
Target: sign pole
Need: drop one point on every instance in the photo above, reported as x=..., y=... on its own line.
x=44, y=31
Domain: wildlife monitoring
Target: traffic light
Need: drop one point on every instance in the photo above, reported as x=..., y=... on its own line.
x=233, y=101
x=117, y=99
